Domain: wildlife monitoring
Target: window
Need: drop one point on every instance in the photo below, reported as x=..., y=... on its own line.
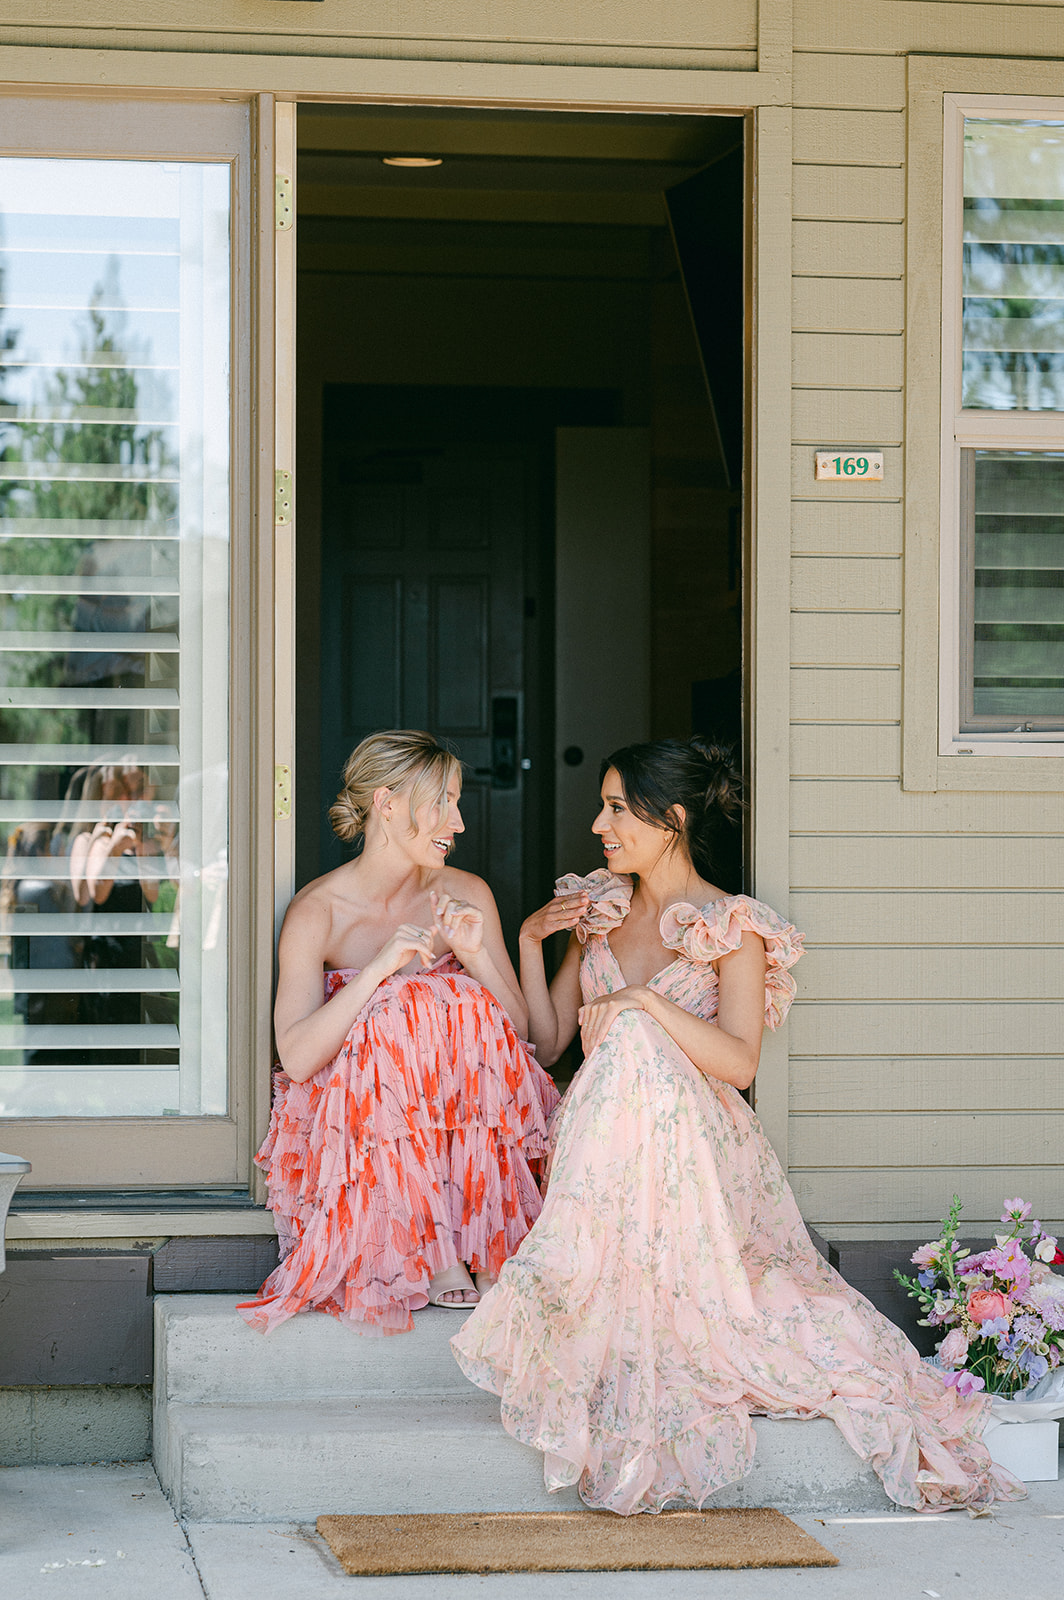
x=1003, y=467
x=129, y=561
x=114, y=517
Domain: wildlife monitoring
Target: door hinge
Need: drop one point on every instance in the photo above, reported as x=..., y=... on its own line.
x=282, y=793
x=283, y=202
x=282, y=497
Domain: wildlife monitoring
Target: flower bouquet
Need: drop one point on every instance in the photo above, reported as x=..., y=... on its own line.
x=1002, y=1309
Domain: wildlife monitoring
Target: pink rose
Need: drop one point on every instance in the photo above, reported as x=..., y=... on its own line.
x=953, y=1351
x=985, y=1304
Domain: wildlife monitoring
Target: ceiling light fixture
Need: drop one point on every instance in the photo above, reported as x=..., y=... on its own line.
x=412, y=161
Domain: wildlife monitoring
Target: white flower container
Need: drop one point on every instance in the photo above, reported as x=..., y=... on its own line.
x=1030, y=1450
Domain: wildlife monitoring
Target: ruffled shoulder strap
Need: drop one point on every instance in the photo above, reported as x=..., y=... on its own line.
x=611, y=900
x=718, y=928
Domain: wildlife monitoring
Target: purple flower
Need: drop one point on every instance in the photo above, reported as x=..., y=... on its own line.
x=1016, y=1210
x=994, y=1326
x=1033, y=1364
x=926, y=1279
x=1052, y=1313
x=965, y=1383
x=1031, y=1329
x=926, y=1254
x=1010, y=1263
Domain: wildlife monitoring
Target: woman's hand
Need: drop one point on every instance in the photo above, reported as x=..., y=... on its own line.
x=597, y=1017
x=460, y=924
x=558, y=915
x=406, y=942
x=122, y=837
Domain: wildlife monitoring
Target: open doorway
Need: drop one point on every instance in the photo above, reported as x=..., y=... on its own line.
x=520, y=446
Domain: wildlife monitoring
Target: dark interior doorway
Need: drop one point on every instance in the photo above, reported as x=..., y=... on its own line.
x=520, y=459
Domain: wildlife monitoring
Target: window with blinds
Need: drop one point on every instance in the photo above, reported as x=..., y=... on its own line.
x=114, y=655
x=1012, y=467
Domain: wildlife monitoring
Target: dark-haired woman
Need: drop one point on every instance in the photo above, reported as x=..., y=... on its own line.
x=669, y=1288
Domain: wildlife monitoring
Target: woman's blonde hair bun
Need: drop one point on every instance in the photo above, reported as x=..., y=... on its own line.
x=389, y=760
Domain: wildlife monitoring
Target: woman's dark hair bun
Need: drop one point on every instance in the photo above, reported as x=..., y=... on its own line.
x=724, y=786
x=697, y=774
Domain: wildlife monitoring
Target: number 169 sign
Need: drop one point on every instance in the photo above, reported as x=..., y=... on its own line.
x=856, y=465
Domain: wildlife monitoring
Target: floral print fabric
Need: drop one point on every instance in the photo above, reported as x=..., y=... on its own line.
x=406, y=1154
x=669, y=1289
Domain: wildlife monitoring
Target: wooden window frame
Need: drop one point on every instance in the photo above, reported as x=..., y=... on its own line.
x=936, y=753
x=964, y=431
x=204, y=1154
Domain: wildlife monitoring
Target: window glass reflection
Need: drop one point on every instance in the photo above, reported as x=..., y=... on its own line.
x=114, y=529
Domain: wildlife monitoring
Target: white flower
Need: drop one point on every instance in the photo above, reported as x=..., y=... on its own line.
x=1051, y=1288
x=1046, y=1249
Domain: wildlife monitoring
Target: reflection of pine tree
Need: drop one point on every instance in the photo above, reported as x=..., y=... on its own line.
x=85, y=416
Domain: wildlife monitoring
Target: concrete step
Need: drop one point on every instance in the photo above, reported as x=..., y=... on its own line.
x=244, y=1463
x=315, y=1418
x=206, y=1353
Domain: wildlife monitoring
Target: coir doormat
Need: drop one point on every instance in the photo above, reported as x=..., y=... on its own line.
x=569, y=1541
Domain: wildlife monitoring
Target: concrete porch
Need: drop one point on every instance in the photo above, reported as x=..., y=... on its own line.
x=314, y=1418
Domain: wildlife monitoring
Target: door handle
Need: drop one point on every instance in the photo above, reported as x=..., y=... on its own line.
x=504, y=763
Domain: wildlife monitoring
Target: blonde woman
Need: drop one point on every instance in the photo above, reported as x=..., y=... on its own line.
x=407, y=1108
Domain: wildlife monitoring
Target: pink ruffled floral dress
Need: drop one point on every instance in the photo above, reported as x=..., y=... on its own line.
x=670, y=1289
x=406, y=1154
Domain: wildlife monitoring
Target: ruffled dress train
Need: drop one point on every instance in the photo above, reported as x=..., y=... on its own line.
x=408, y=1153
x=670, y=1290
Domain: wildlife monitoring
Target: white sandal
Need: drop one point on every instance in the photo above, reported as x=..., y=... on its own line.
x=460, y=1283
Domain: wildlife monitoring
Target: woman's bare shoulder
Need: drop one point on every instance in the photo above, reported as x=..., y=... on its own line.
x=464, y=886
x=313, y=906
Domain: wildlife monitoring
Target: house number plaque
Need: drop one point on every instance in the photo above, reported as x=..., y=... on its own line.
x=859, y=465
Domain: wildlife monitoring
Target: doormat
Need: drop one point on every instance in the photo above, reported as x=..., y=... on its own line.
x=569, y=1541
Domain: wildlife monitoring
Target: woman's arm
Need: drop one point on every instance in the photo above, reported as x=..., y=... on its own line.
x=730, y=1047
x=309, y=1033
x=471, y=927
x=552, y=1013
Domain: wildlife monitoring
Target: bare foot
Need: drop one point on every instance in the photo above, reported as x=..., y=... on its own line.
x=453, y=1287
x=484, y=1281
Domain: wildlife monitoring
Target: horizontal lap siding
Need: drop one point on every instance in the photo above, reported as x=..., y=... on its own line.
x=939, y=27
x=610, y=32
x=926, y=1040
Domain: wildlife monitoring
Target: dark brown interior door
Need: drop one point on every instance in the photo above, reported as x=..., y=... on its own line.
x=423, y=612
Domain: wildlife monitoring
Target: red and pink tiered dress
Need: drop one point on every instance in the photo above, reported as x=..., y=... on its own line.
x=408, y=1153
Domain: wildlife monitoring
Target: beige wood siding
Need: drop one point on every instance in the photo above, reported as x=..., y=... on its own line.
x=675, y=33
x=925, y=1045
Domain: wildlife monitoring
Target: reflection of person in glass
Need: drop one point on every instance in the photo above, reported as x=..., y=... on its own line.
x=105, y=873
x=24, y=899
x=102, y=861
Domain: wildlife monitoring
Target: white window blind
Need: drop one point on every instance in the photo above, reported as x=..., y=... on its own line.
x=114, y=665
